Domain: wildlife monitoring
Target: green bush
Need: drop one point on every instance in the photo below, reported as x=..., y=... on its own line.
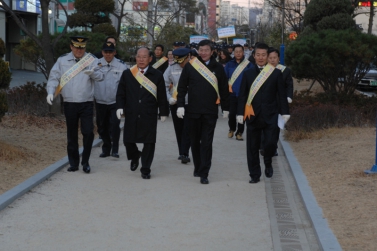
x=28, y=99
x=316, y=112
x=2, y=48
x=3, y=103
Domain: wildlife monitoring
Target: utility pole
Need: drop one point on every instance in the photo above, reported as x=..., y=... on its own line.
x=282, y=47
x=150, y=27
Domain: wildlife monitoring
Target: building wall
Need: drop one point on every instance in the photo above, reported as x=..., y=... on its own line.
x=363, y=20
x=2, y=29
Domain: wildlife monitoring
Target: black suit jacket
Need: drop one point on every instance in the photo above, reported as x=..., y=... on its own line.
x=162, y=67
x=201, y=94
x=265, y=104
x=140, y=106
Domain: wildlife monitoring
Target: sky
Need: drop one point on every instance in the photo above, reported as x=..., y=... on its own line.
x=245, y=3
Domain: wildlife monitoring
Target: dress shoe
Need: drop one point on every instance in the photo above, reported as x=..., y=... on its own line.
x=230, y=134
x=115, y=155
x=269, y=171
x=254, y=180
x=72, y=169
x=204, y=181
x=180, y=157
x=146, y=176
x=135, y=163
x=196, y=174
x=185, y=159
x=239, y=137
x=103, y=155
x=86, y=168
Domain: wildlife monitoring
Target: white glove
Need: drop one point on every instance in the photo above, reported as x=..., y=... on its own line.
x=225, y=114
x=89, y=72
x=240, y=119
x=286, y=117
x=180, y=112
x=163, y=118
x=50, y=98
x=119, y=113
x=289, y=100
x=172, y=101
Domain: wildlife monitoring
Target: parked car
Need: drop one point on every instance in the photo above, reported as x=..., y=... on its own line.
x=370, y=79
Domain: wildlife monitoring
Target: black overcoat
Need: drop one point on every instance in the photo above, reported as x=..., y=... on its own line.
x=201, y=94
x=265, y=103
x=140, y=107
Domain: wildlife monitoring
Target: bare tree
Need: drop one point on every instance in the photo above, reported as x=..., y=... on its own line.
x=120, y=13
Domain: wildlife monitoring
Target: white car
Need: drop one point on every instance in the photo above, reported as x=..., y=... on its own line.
x=370, y=79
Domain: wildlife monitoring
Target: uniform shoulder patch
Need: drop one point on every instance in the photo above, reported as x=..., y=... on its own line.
x=121, y=61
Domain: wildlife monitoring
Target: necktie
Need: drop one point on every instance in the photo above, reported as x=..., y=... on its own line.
x=108, y=65
x=77, y=59
x=142, y=71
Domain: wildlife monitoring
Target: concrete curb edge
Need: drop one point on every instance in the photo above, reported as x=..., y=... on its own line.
x=325, y=236
x=16, y=192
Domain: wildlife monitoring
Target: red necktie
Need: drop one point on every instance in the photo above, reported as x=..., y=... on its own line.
x=142, y=71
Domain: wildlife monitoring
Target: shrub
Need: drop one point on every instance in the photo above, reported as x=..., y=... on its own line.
x=28, y=99
x=3, y=103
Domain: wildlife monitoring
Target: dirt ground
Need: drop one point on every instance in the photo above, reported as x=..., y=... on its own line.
x=333, y=161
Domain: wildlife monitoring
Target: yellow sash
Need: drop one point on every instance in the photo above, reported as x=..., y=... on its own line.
x=237, y=72
x=207, y=74
x=281, y=67
x=144, y=81
x=159, y=62
x=74, y=70
x=257, y=84
x=175, y=92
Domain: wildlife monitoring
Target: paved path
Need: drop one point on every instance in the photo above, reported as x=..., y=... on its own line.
x=112, y=208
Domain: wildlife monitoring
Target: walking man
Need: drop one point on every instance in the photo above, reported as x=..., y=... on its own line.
x=74, y=75
x=181, y=126
x=105, y=95
x=141, y=91
x=261, y=93
x=159, y=61
x=234, y=70
x=205, y=82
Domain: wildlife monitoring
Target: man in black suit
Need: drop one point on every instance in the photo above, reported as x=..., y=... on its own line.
x=159, y=61
x=259, y=106
x=141, y=91
x=205, y=82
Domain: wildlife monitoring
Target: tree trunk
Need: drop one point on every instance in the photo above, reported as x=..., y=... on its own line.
x=371, y=14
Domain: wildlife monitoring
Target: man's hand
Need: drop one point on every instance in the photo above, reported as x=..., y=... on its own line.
x=89, y=72
x=172, y=101
x=50, y=98
x=119, y=113
x=286, y=117
x=240, y=119
x=180, y=112
x=225, y=114
x=163, y=118
x=289, y=100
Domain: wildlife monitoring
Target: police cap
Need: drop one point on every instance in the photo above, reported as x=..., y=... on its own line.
x=180, y=54
x=108, y=46
x=79, y=41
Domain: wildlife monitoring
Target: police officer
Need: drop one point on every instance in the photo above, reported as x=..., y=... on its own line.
x=105, y=95
x=171, y=76
x=74, y=74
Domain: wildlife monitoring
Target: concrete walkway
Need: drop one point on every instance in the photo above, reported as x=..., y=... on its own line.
x=112, y=208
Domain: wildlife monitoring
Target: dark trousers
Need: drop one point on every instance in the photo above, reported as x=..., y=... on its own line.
x=73, y=113
x=147, y=155
x=182, y=131
x=254, y=132
x=232, y=122
x=108, y=127
x=202, y=130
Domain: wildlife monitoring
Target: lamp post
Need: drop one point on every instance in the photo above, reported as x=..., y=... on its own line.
x=282, y=47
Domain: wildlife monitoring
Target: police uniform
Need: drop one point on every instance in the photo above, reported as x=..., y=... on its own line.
x=181, y=127
x=78, y=103
x=105, y=95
